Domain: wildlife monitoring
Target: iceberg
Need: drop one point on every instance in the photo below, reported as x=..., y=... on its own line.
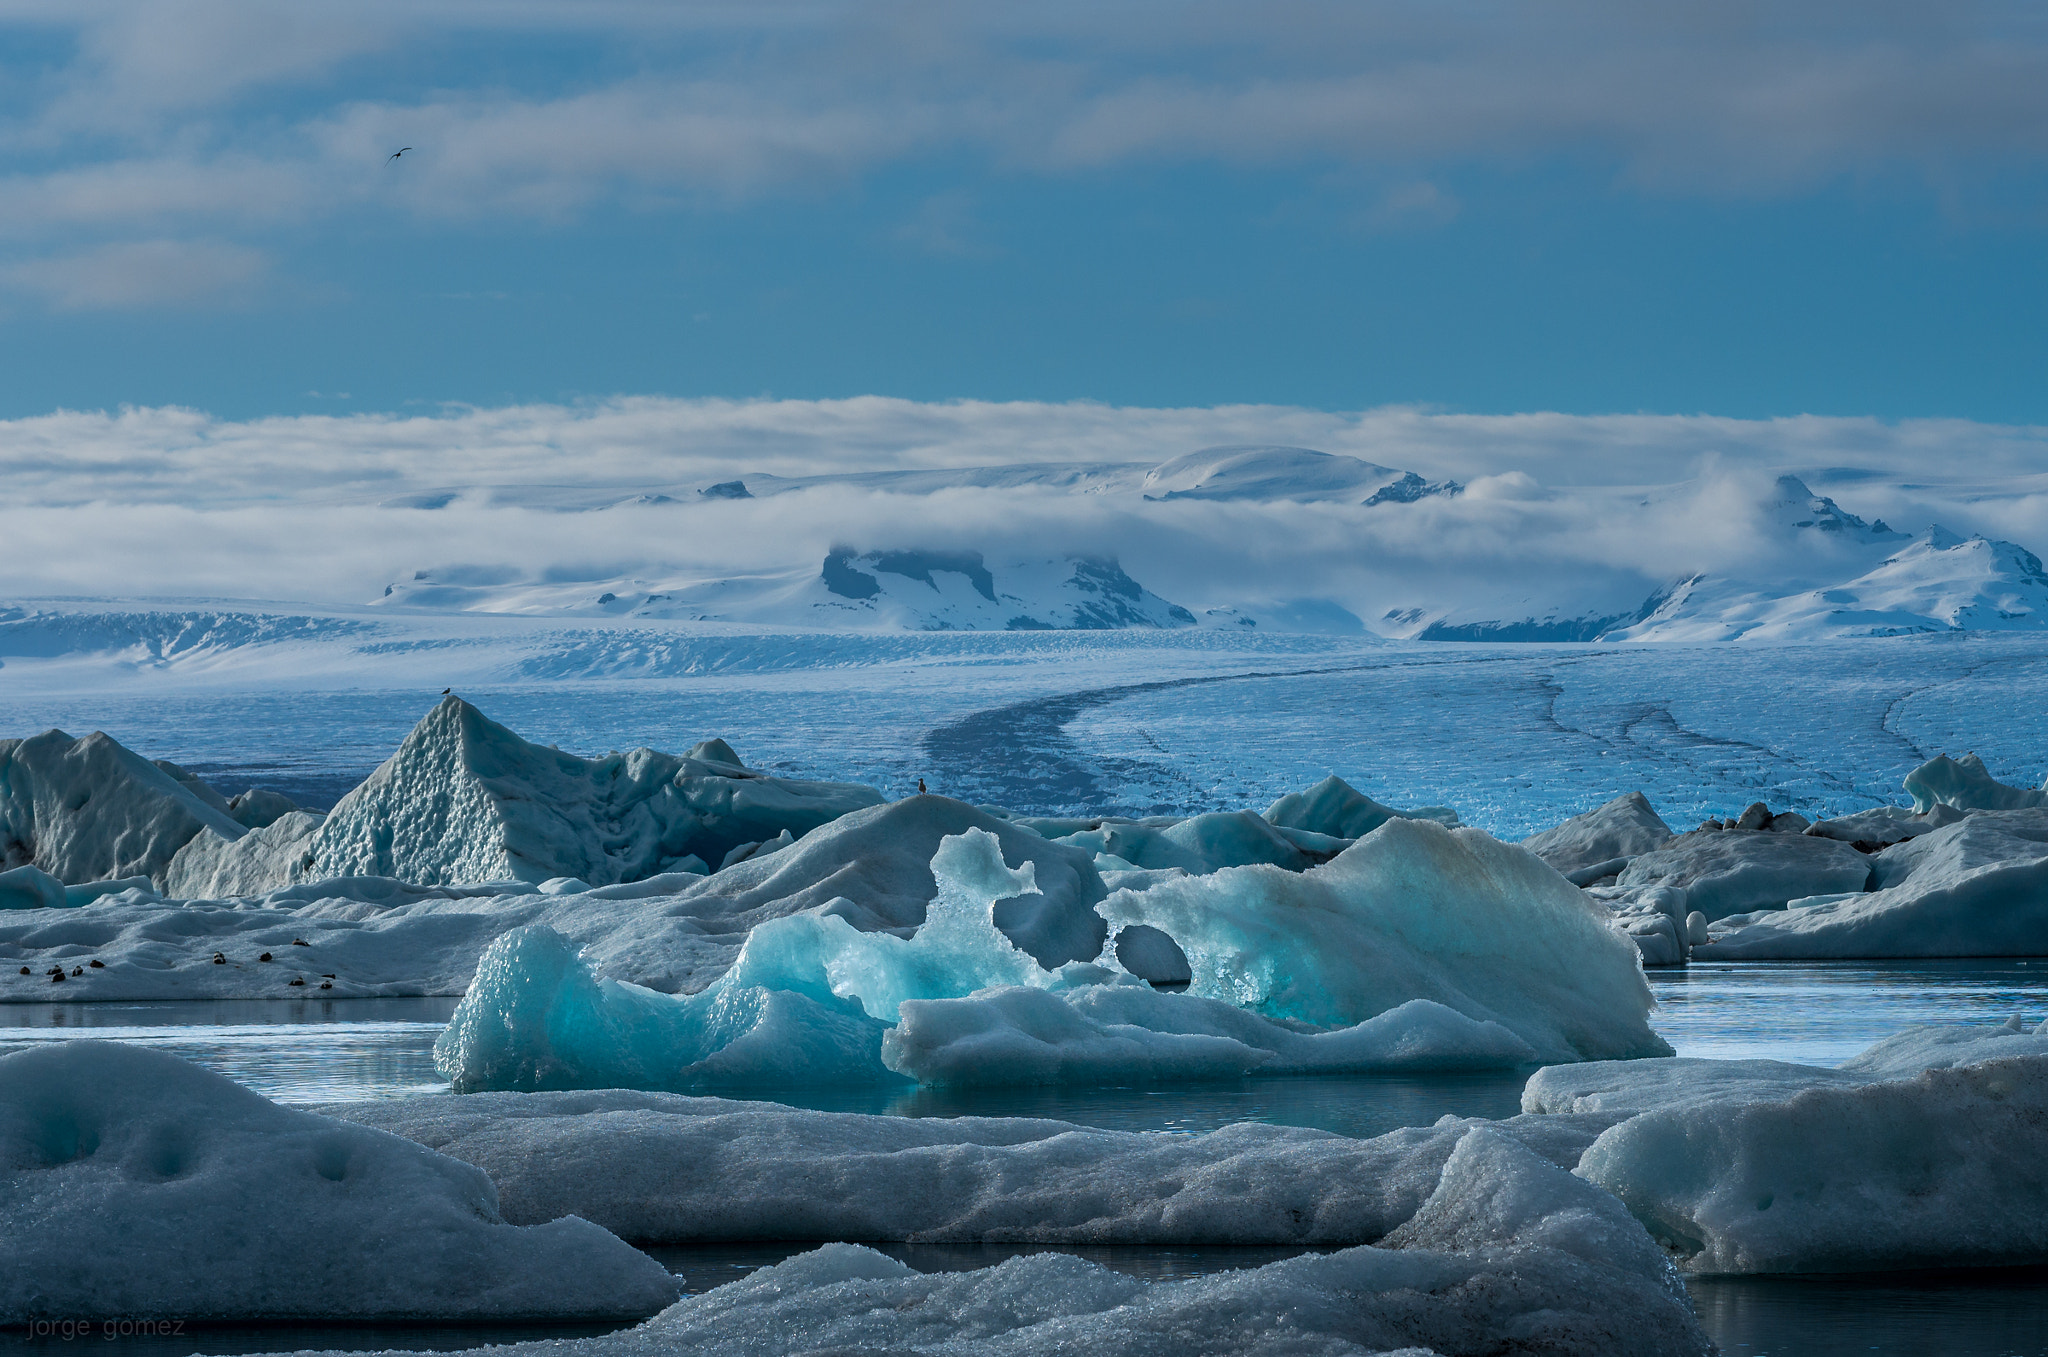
x=1978, y=887
x=1383, y=984
x=1940, y=1169
x=1411, y=911
x=1200, y=843
x=1603, y=840
x=88, y=809
x=1737, y=871
x=1965, y=784
x=465, y=799
x=140, y=1185
x=1335, y=808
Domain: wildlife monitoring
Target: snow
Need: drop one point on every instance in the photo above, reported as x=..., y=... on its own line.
x=1978, y=887
x=918, y=589
x=1278, y=473
x=140, y=1185
x=1736, y=871
x=1605, y=836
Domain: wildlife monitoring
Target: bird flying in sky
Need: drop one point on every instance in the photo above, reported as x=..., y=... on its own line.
x=396, y=154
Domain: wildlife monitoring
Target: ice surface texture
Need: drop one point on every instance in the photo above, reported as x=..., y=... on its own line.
x=465, y=799
x=1411, y=911
x=89, y=810
x=137, y=1185
x=1501, y=1251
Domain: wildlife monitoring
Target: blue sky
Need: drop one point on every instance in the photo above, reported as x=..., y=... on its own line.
x=1587, y=207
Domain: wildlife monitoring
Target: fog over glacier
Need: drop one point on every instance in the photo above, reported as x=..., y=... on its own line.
x=1542, y=515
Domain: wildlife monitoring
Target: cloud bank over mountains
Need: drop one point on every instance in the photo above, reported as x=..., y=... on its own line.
x=1402, y=519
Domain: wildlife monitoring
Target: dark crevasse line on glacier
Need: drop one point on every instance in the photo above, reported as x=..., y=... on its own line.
x=1020, y=756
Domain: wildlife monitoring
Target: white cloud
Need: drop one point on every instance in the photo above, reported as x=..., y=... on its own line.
x=173, y=501
x=141, y=274
x=226, y=108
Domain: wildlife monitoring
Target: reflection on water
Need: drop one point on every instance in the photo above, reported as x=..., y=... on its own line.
x=1988, y=1312
x=291, y=1050
x=1823, y=1012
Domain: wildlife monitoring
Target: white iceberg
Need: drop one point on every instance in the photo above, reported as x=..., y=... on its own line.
x=464, y=799
x=1737, y=871
x=1335, y=808
x=90, y=810
x=1978, y=887
x=1924, y=1151
x=1602, y=840
x=140, y=1185
x=1966, y=784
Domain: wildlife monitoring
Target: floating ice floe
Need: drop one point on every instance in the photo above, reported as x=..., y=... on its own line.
x=1734, y=871
x=138, y=1185
x=1501, y=1245
x=1925, y=1151
x=1417, y=948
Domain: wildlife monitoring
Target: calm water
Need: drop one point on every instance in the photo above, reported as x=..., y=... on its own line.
x=313, y=1051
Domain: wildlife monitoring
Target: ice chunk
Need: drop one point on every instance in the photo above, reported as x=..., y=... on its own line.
x=258, y=807
x=659, y=1167
x=1130, y=1033
x=465, y=799
x=1976, y=888
x=1623, y=828
x=537, y=1017
x=1884, y=826
x=1412, y=911
x=210, y=867
x=90, y=810
x=1965, y=784
x=1336, y=808
x=30, y=887
x=1727, y=872
x=1942, y=1169
x=1201, y=843
x=879, y=861
x=140, y=1185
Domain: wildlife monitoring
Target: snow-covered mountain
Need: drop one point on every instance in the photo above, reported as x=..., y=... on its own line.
x=1937, y=582
x=1280, y=473
x=896, y=590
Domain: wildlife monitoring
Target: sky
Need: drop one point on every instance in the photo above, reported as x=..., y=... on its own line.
x=1728, y=209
